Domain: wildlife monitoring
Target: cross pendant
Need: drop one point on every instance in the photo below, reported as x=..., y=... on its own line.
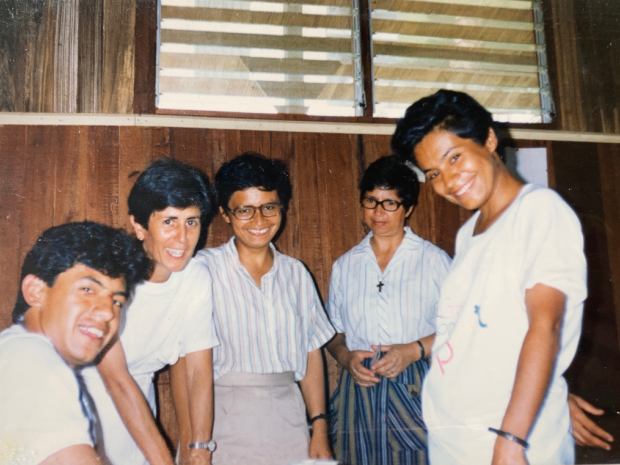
x=380, y=285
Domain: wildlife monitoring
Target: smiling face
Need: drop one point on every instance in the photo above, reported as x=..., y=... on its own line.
x=80, y=313
x=381, y=222
x=460, y=170
x=258, y=232
x=170, y=239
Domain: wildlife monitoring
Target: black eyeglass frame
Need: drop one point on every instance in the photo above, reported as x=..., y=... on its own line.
x=382, y=202
x=255, y=209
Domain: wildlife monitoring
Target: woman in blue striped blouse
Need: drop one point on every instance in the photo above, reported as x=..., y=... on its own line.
x=270, y=324
x=382, y=301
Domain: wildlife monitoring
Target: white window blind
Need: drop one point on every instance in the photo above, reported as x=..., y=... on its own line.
x=258, y=56
x=492, y=49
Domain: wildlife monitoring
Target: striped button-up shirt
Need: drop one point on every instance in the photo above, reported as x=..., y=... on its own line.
x=396, y=306
x=269, y=329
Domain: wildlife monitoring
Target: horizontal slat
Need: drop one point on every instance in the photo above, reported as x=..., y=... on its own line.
x=452, y=20
x=256, y=52
x=440, y=75
x=263, y=65
x=427, y=40
x=431, y=7
x=260, y=29
x=508, y=4
x=288, y=42
x=169, y=7
x=205, y=3
x=455, y=86
x=255, y=76
x=454, y=64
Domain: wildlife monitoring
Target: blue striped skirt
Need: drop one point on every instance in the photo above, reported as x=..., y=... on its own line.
x=382, y=424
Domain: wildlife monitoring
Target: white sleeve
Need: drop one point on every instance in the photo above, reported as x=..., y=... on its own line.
x=199, y=329
x=439, y=266
x=553, y=246
x=334, y=298
x=42, y=400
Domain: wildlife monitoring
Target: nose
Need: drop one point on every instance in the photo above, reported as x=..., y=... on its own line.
x=104, y=309
x=450, y=178
x=181, y=233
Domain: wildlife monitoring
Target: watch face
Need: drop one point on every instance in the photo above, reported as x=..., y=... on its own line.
x=211, y=445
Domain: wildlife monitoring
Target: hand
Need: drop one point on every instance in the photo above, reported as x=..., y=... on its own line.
x=397, y=358
x=319, y=447
x=362, y=376
x=585, y=431
x=198, y=457
x=508, y=452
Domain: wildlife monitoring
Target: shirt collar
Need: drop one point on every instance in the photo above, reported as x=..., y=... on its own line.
x=233, y=254
x=411, y=241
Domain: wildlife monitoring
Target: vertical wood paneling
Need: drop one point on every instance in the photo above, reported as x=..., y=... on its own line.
x=103, y=172
x=66, y=57
x=71, y=195
x=90, y=56
x=12, y=173
x=119, y=18
x=145, y=56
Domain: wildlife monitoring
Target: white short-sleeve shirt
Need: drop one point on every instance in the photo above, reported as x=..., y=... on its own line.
x=482, y=322
x=269, y=329
x=396, y=306
x=163, y=322
x=40, y=408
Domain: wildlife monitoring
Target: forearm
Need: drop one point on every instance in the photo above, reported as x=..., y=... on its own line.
x=534, y=371
x=337, y=347
x=138, y=418
x=313, y=390
x=180, y=401
x=200, y=393
x=427, y=342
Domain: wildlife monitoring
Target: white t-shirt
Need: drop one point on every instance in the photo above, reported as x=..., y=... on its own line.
x=164, y=321
x=40, y=409
x=482, y=322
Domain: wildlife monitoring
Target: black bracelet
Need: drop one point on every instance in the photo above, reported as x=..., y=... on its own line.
x=510, y=437
x=318, y=417
x=422, y=349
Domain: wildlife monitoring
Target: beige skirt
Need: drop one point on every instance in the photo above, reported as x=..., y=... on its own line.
x=259, y=419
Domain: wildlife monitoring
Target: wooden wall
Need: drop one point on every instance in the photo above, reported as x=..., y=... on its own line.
x=50, y=175
x=98, y=56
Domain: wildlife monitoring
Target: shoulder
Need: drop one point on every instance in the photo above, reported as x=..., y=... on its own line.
x=210, y=255
x=430, y=252
x=196, y=270
x=290, y=263
x=351, y=255
x=539, y=203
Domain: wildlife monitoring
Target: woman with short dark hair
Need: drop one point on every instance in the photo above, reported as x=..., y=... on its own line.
x=271, y=326
x=510, y=312
x=382, y=300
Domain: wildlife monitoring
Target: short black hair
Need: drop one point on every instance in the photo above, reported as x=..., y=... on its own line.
x=389, y=173
x=455, y=112
x=107, y=250
x=170, y=183
x=251, y=169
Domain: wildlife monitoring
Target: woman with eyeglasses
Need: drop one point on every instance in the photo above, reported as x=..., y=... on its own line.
x=382, y=301
x=509, y=317
x=271, y=326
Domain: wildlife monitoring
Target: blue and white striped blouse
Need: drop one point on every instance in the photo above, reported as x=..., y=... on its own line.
x=266, y=330
x=401, y=310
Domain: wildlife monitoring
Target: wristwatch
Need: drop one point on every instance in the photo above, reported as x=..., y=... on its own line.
x=210, y=445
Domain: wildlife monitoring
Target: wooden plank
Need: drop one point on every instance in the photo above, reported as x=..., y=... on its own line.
x=90, y=56
x=11, y=88
x=135, y=155
x=71, y=180
x=38, y=187
x=12, y=173
x=145, y=57
x=118, y=56
x=103, y=175
x=66, y=57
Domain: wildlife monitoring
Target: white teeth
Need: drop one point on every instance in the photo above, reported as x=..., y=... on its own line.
x=258, y=231
x=93, y=331
x=176, y=253
x=463, y=189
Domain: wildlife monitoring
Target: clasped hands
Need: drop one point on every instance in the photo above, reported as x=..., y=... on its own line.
x=396, y=358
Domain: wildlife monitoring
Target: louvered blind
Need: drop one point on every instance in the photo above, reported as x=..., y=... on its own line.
x=267, y=56
x=492, y=49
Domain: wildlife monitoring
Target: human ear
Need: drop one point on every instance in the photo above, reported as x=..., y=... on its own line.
x=491, y=143
x=137, y=228
x=224, y=215
x=409, y=211
x=34, y=290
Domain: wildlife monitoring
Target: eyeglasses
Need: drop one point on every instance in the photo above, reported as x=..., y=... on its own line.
x=247, y=212
x=388, y=205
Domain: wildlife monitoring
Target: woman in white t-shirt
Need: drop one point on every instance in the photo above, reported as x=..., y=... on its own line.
x=510, y=310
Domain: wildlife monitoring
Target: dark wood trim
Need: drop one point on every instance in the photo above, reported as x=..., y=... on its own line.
x=366, y=50
x=145, y=57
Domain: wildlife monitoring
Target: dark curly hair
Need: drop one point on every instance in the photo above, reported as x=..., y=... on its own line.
x=390, y=172
x=170, y=183
x=251, y=169
x=456, y=112
x=107, y=250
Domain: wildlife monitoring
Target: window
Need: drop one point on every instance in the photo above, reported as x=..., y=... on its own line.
x=306, y=57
